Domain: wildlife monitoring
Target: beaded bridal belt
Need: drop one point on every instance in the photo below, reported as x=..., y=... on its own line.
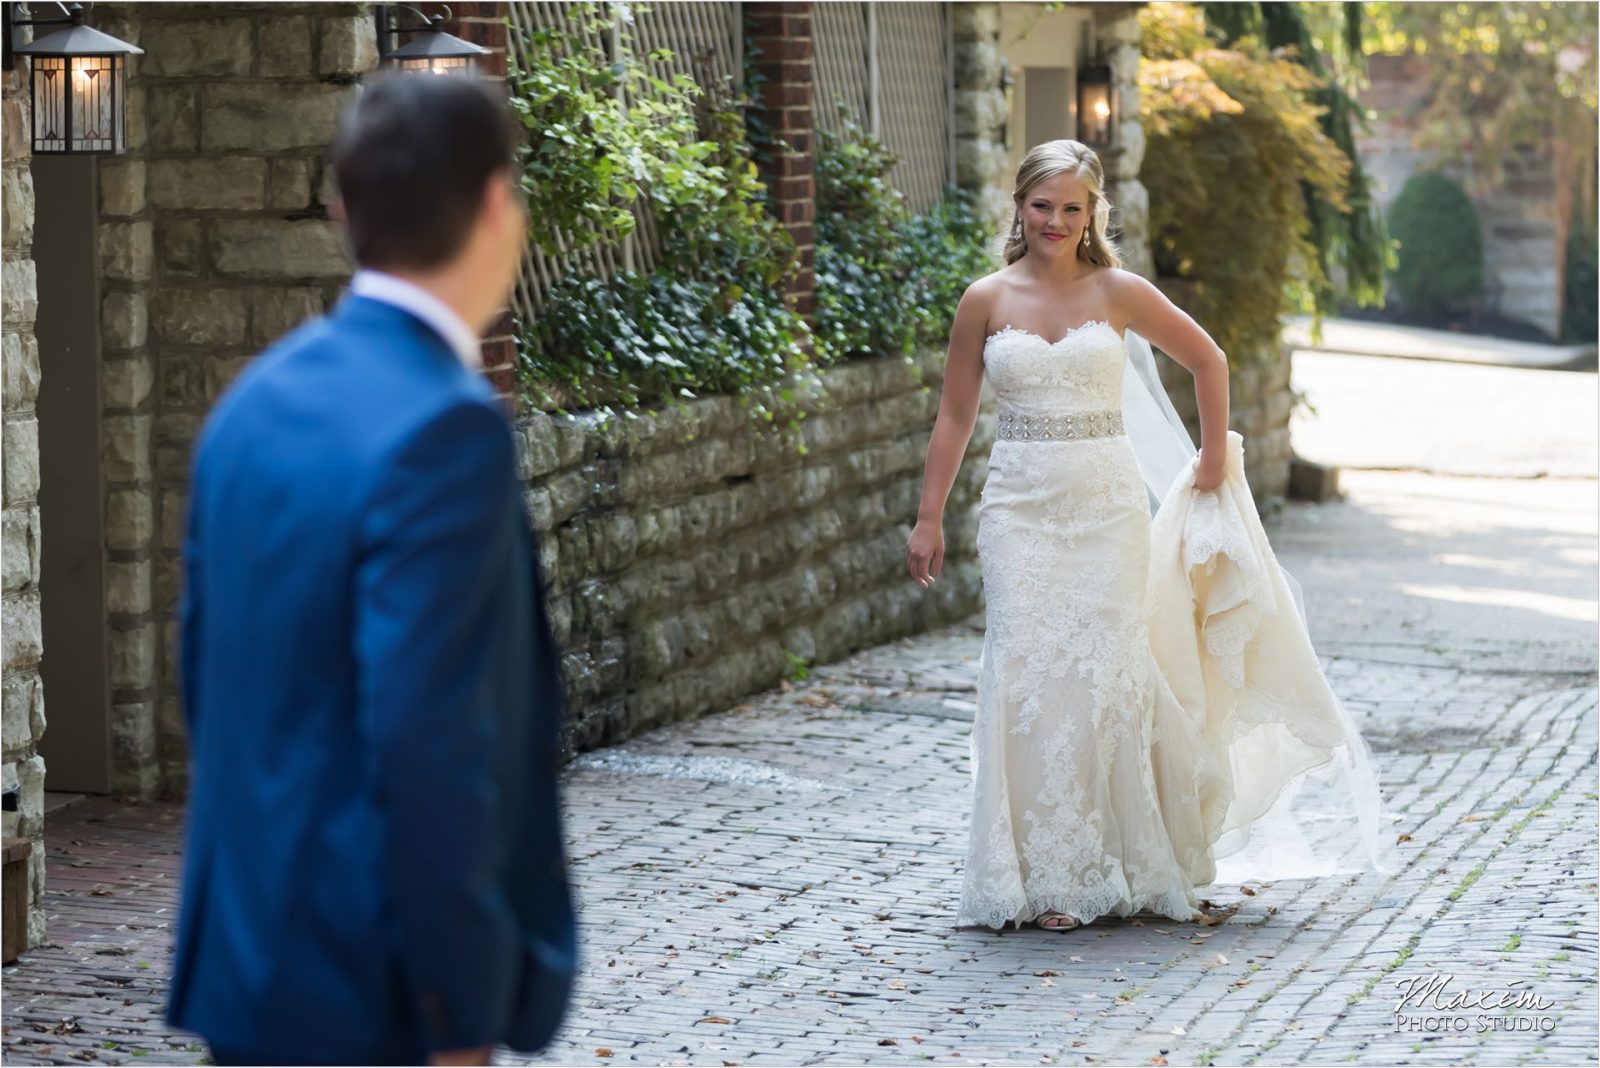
x=1015, y=426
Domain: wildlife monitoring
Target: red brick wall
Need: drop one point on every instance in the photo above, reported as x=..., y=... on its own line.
x=485, y=25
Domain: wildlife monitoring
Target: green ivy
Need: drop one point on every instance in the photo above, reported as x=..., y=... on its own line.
x=604, y=134
x=888, y=281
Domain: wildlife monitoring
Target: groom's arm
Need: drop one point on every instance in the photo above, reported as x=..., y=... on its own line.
x=430, y=590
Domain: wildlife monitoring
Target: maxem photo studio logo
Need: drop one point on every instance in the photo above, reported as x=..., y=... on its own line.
x=1427, y=1004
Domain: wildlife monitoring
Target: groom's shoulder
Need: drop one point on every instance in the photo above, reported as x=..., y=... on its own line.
x=353, y=394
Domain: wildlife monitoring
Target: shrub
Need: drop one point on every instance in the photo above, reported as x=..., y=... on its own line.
x=1579, y=310
x=604, y=134
x=888, y=281
x=1441, y=246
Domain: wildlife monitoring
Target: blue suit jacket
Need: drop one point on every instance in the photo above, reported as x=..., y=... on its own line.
x=374, y=866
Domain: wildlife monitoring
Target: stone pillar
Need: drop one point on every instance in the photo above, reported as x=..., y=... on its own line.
x=20, y=628
x=980, y=110
x=214, y=242
x=781, y=32
x=1117, y=34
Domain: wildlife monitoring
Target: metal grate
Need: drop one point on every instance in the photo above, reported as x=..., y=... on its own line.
x=914, y=97
x=891, y=64
x=842, y=62
x=706, y=41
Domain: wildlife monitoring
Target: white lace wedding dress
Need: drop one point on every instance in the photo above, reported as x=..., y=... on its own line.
x=1098, y=789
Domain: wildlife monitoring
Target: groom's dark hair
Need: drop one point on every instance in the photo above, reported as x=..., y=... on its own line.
x=412, y=159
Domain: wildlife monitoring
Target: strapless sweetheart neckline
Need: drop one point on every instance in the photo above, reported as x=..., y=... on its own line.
x=1071, y=332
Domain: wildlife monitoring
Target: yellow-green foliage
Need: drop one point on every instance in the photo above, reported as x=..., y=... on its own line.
x=1231, y=137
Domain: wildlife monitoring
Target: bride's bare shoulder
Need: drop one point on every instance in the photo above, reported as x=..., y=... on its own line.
x=1129, y=295
x=979, y=297
x=983, y=293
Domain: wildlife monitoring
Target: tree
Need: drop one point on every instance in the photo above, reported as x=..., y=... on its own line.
x=1234, y=140
x=1326, y=39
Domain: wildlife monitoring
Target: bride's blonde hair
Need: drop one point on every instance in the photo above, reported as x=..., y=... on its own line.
x=1046, y=160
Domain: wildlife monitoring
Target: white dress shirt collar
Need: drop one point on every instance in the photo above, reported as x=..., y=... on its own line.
x=377, y=285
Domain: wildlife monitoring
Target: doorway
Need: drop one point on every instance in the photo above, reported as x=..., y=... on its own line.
x=77, y=740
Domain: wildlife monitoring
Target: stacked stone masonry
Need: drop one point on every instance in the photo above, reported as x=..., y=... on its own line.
x=21, y=640
x=690, y=558
x=215, y=239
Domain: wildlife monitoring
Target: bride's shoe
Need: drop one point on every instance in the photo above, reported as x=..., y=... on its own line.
x=1057, y=921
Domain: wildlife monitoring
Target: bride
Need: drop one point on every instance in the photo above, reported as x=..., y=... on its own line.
x=1148, y=701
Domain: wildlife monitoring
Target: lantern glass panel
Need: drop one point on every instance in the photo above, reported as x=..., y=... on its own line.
x=95, y=94
x=78, y=104
x=50, y=104
x=437, y=65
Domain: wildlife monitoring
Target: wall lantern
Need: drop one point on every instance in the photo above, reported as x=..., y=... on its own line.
x=1097, y=107
x=430, y=49
x=79, y=82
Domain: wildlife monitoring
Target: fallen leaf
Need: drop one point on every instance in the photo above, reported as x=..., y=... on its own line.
x=602, y=1051
x=1403, y=838
x=887, y=1042
x=1245, y=890
x=714, y=1019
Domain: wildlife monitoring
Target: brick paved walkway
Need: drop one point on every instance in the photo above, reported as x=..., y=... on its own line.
x=775, y=885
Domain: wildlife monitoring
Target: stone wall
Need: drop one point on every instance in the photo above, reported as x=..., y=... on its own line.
x=214, y=241
x=688, y=558
x=22, y=640
x=1524, y=217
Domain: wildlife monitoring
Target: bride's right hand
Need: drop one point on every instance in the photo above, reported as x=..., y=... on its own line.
x=925, y=552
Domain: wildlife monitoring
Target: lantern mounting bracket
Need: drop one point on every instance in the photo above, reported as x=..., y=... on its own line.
x=430, y=47
x=73, y=14
x=387, y=29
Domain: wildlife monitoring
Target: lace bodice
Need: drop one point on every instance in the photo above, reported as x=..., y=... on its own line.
x=1079, y=372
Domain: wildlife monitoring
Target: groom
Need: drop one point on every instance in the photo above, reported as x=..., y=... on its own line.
x=374, y=870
